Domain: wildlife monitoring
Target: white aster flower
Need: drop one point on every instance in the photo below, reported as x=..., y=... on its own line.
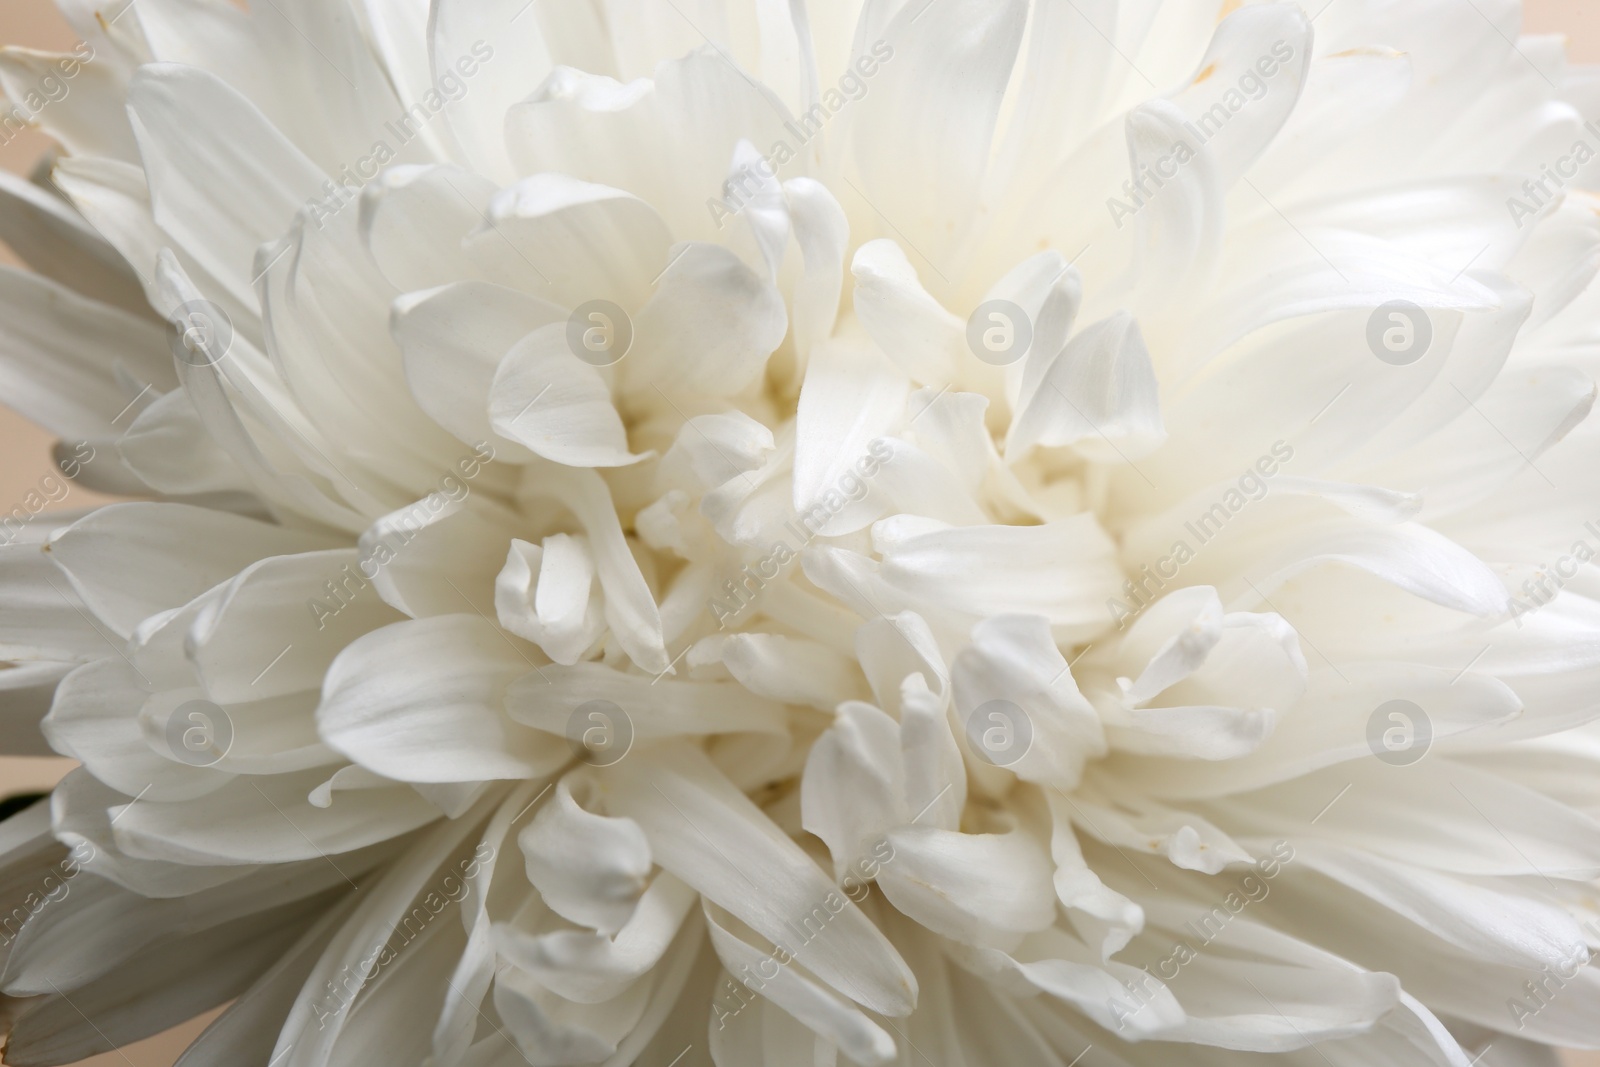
x=954, y=532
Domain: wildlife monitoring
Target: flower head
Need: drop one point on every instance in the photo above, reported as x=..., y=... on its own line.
x=977, y=531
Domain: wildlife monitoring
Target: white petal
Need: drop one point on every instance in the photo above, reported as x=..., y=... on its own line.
x=712, y=450
x=1060, y=570
x=774, y=885
x=413, y=220
x=270, y=821
x=420, y=701
x=1096, y=911
x=1413, y=557
x=61, y=352
x=591, y=869
x=95, y=719
x=1012, y=658
x=42, y=617
x=547, y=594
x=276, y=627
x=792, y=670
x=853, y=789
x=823, y=1013
x=162, y=987
x=631, y=610
x=337, y=100
x=436, y=556
x=592, y=968
x=130, y=561
x=1055, y=964
x=548, y=698
x=572, y=241
x=1099, y=394
x=81, y=810
x=222, y=179
x=311, y=1028
x=1475, y=917
x=249, y=1027
x=710, y=326
x=84, y=118
x=1180, y=228
x=1188, y=840
x=558, y=406
x=935, y=779
x=167, y=447
x=966, y=886
x=922, y=135
x=822, y=231
x=58, y=243
x=1283, y=36
x=893, y=648
x=668, y=140
x=908, y=324
x=762, y=208
x=852, y=395
x=508, y=57
x=453, y=339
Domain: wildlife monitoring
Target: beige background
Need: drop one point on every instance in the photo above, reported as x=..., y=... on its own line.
x=24, y=449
